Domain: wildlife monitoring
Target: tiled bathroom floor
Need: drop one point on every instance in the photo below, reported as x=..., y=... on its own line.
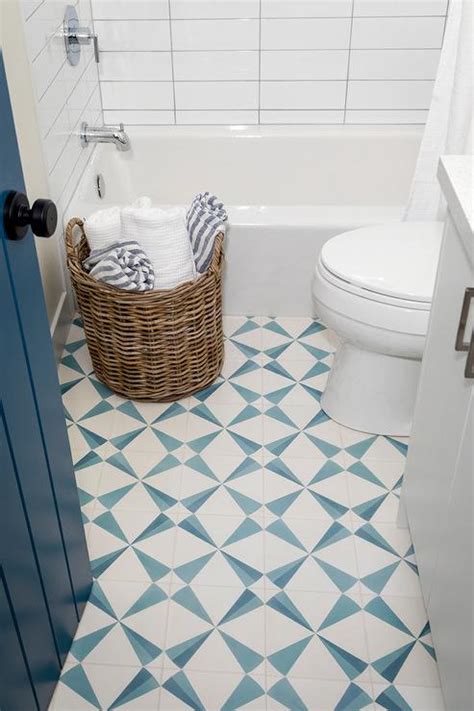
x=243, y=545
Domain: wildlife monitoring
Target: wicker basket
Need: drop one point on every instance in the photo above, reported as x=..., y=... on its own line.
x=157, y=345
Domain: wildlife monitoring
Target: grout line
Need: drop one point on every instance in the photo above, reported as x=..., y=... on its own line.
x=259, y=59
x=348, y=62
x=172, y=59
x=384, y=80
x=67, y=98
x=99, y=78
x=271, y=49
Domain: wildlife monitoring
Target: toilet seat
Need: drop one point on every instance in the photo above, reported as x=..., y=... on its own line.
x=393, y=264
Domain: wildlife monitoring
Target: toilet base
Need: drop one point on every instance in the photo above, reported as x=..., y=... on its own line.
x=371, y=392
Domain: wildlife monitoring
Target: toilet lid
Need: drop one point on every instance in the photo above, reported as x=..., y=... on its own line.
x=398, y=260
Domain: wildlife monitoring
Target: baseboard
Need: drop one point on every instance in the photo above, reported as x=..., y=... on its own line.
x=61, y=324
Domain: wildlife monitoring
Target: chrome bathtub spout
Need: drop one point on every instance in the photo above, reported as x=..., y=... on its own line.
x=105, y=134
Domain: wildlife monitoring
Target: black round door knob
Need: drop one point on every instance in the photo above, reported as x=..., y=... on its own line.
x=42, y=217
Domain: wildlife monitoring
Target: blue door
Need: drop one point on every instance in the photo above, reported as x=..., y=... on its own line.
x=44, y=570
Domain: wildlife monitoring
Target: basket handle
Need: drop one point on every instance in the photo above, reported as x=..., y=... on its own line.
x=69, y=236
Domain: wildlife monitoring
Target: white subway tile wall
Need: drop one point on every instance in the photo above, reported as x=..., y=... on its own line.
x=268, y=61
x=65, y=95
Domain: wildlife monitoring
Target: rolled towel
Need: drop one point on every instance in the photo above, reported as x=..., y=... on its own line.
x=121, y=264
x=163, y=236
x=205, y=219
x=102, y=228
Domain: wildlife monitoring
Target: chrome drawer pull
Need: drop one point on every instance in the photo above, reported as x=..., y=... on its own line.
x=461, y=345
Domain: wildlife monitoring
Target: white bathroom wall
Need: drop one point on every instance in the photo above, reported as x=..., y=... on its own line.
x=268, y=61
x=61, y=97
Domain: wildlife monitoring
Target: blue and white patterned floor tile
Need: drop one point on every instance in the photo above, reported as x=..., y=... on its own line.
x=244, y=546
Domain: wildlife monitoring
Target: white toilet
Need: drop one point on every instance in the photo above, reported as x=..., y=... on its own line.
x=373, y=287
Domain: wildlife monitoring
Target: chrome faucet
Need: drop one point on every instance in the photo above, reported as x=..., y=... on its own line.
x=105, y=134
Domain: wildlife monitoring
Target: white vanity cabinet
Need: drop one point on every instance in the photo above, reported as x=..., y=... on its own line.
x=439, y=475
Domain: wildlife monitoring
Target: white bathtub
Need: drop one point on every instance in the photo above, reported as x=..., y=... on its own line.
x=287, y=191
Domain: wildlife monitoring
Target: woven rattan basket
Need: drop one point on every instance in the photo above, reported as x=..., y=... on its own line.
x=157, y=345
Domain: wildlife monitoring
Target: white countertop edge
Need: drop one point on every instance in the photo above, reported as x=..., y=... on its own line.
x=456, y=177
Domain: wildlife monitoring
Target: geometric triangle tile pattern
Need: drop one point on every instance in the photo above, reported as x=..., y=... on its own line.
x=244, y=547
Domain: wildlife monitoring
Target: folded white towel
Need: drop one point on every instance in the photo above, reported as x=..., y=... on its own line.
x=102, y=228
x=163, y=236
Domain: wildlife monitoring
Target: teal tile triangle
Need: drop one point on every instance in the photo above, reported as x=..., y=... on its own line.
x=426, y=630
x=168, y=462
x=431, y=651
x=193, y=526
x=328, y=470
x=199, y=444
x=100, y=565
x=113, y=497
x=179, y=686
x=359, y=469
x=246, y=691
x=188, y=571
x=246, y=573
x=248, y=413
x=205, y=413
x=181, y=653
x=75, y=345
x=153, y=567
x=247, y=466
x=279, y=446
x=247, y=351
x=205, y=394
x=390, y=665
x=319, y=419
x=274, y=367
x=84, y=497
x=158, y=525
x=247, y=446
x=130, y=409
x=341, y=580
x=358, y=449
x=317, y=369
x=317, y=353
x=119, y=461
x=278, y=467
x=286, y=658
x=281, y=530
x=351, y=665
x=282, y=604
x=145, y=650
x=246, y=602
x=328, y=449
x=312, y=329
x=392, y=700
x=77, y=680
x=277, y=351
x=368, y=509
x=281, y=505
x=169, y=443
x=285, y=694
x=247, y=394
x=281, y=576
x=247, y=326
x=400, y=446
x=108, y=523
x=121, y=441
x=246, y=657
x=199, y=465
x=193, y=503
x=101, y=389
x=278, y=395
x=314, y=392
x=70, y=362
x=343, y=608
x=379, y=608
x=153, y=595
x=187, y=598
x=333, y=508
x=354, y=699
x=99, y=600
x=82, y=646
x=162, y=500
x=276, y=413
x=93, y=439
x=172, y=411
x=140, y=685
x=275, y=327
x=368, y=533
x=101, y=408
x=247, y=528
x=248, y=505
x=336, y=532
x=248, y=367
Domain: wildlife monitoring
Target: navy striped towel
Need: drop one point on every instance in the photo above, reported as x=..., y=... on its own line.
x=205, y=219
x=121, y=264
